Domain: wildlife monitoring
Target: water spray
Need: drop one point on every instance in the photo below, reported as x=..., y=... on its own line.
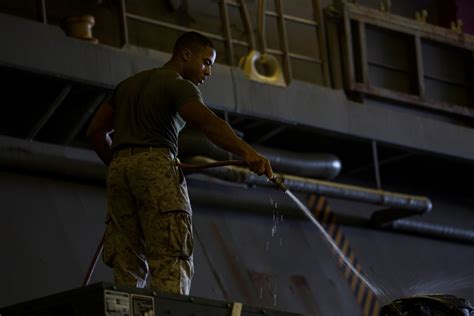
x=278, y=180
x=417, y=305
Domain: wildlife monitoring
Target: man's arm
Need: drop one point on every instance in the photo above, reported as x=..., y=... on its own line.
x=220, y=133
x=102, y=123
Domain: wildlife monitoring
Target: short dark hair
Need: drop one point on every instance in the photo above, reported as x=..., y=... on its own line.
x=193, y=41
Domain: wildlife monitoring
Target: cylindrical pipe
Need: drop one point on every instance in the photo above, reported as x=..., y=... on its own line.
x=313, y=165
x=261, y=26
x=435, y=230
x=417, y=204
x=204, y=192
x=124, y=39
x=50, y=159
x=247, y=24
x=84, y=164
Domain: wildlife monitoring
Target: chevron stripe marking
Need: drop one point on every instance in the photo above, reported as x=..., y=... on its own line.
x=368, y=301
x=319, y=206
x=355, y=279
x=332, y=228
x=360, y=293
x=364, y=296
x=376, y=309
x=312, y=201
x=326, y=212
x=345, y=247
x=338, y=238
x=348, y=272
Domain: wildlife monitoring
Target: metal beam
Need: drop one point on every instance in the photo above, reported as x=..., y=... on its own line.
x=420, y=74
x=283, y=41
x=85, y=117
x=226, y=24
x=321, y=42
x=270, y=134
x=397, y=201
x=412, y=99
x=375, y=156
x=247, y=24
x=54, y=106
x=408, y=26
x=123, y=25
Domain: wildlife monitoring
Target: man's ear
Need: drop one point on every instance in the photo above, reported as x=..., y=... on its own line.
x=186, y=54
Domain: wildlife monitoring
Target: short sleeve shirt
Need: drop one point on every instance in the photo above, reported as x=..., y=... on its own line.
x=146, y=109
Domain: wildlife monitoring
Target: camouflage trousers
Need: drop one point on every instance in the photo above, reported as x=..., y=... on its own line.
x=149, y=233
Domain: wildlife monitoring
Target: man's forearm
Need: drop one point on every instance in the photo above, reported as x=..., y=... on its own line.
x=101, y=145
x=221, y=134
x=97, y=132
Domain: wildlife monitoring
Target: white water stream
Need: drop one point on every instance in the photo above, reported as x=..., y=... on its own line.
x=328, y=238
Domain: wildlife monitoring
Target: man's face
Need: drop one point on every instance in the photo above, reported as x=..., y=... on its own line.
x=198, y=64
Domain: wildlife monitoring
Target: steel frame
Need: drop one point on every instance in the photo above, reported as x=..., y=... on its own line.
x=282, y=18
x=419, y=31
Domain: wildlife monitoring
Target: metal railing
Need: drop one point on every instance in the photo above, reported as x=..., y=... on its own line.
x=356, y=19
x=284, y=52
x=230, y=42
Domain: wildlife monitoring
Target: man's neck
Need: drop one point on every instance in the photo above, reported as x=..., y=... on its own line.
x=175, y=65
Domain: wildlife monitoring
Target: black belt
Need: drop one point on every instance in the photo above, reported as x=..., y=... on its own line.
x=130, y=151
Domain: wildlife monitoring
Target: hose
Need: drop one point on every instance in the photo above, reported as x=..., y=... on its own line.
x=277, y=180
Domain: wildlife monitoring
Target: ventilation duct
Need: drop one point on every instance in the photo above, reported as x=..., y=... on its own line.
x=314, y=165
x=83, y=164
x=415, y=204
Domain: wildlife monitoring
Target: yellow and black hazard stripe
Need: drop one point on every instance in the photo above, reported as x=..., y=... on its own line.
x=364, y=296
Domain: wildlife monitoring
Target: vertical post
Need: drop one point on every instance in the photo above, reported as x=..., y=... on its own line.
x=226, y=118
x=227, y=33
x=247, y=24
x=419, y=67
x=349, y=65
x=124, y=40
x=376, y=165
x=283, y=41
x=363, y=53
x=261, y=26
x=76, y=128
x=41, y=11
x=49, y=113
x=321, y=42
x=470, y=76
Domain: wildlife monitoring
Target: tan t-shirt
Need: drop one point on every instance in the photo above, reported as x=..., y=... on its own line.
x=146, y=109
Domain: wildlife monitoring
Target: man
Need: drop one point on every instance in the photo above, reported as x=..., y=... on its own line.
x=149, y=213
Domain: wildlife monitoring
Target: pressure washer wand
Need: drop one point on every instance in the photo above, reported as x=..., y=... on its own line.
x=277, y=180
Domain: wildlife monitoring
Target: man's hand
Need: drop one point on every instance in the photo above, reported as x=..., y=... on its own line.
x=199, y=116
x=258, y=164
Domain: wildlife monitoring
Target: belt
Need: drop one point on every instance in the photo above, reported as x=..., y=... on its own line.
x=130, y=151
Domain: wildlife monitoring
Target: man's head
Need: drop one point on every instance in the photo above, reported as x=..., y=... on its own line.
x=196, y=55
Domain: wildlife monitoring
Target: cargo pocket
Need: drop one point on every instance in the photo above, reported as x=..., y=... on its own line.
x=181, y=235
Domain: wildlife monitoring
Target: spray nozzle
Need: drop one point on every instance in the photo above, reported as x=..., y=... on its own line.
x=278, y=181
